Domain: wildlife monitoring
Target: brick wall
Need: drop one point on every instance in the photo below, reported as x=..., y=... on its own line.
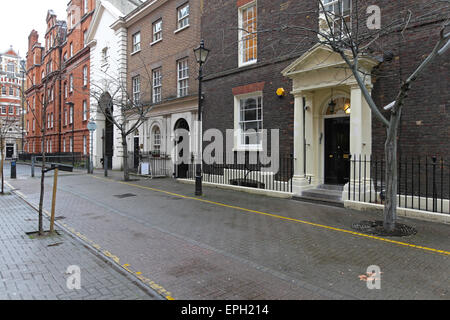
x=165, y=54
x=425, y=116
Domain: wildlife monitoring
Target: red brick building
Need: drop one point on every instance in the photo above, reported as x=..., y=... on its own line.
x=58, y=82
x=11, y=80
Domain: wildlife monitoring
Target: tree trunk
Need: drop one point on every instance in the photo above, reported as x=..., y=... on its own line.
x=41, y=198
x=126, y=174
x=390, y=149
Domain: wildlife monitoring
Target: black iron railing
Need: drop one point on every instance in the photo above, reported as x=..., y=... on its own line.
x=248, y=173
x=423, y=183
x=78, y=160
x=158, y=163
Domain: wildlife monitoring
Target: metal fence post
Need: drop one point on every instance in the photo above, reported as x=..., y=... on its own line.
x=33, y=160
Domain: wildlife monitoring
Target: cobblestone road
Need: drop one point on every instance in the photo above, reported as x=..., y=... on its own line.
x=190, y=249
x=32, y=268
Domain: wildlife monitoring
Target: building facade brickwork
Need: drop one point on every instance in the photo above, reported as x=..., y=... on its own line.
x=58, y=75
x=11, y=88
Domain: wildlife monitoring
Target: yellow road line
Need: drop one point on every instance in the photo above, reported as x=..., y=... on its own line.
x=127, y=267
x=281, y=217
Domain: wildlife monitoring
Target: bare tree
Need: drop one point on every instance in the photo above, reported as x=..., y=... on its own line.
x=353, y=33
x=124, y=108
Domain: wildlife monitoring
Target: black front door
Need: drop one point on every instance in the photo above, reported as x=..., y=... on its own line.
x=137, y=150
x=9, y=151
x=181, y=168
x=337, y=150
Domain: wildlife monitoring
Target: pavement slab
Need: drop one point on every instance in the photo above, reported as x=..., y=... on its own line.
x=234, y=245
x=36, y=268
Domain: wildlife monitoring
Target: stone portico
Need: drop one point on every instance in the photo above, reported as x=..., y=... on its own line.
x=321, y=76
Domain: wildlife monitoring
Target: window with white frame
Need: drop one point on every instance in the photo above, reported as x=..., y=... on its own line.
x=71, y=83
x=11, y=91
x=3, y=109
x=183, y=16
x=84, y=145
x=85, y=110
x=157, y=30
x=250, y=120
x=84, y=38
x=64, y=145
x=248, y=38
x=136, y=42
x=70, y=114
x=85, y=6
x=157, y=85
x=85, y=76
x=136, y=81
x=338, y=13
x=65, y=116
x=156, y=140
x=11, y=110
x=71, y=144
x=183, y=77
x=4, y=90
x=71, y=50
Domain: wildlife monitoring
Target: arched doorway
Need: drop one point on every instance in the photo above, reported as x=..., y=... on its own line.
x=106, y=106
x=337, y=141
x=181, y=168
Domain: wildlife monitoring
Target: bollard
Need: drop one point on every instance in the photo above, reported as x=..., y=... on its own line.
x=13, y=169
x=33, y=160
x=106, y=165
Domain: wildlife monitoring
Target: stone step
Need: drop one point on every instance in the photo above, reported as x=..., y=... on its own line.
x=334, y=195
x=327, y=196
x=331, y=187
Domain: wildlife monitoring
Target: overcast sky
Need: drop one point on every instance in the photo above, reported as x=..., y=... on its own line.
x=22, y=16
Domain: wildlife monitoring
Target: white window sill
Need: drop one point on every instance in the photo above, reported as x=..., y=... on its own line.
x=181, y=29
x=248, y=148
x=245, y=64
x=155, y=42
x=135, y=52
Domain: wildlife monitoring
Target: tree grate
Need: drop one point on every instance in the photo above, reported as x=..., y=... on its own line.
x=376, y=228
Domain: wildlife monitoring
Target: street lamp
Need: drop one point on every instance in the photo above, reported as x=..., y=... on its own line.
x=71, y=117
x=201, y=55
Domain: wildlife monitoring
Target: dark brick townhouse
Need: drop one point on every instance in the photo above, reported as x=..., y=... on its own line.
x=246, y=68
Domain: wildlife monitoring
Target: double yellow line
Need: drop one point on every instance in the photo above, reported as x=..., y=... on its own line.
x=405, y=244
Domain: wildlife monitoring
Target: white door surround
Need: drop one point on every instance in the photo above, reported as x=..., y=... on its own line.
x=319, y=76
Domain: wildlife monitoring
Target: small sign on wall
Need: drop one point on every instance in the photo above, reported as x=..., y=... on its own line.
x=145, y=168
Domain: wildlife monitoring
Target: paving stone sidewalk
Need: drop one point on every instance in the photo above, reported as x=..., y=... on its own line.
x=35, y=269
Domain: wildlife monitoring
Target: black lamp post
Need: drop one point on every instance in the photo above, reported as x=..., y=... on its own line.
x=201, y=55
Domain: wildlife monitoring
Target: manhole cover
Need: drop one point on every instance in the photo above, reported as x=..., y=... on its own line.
x=126, y=195
x=376, y=228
